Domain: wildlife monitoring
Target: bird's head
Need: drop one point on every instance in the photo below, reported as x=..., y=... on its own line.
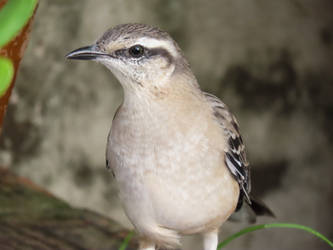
x=137, y=54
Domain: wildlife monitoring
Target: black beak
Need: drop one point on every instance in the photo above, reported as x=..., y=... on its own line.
x=85, y=53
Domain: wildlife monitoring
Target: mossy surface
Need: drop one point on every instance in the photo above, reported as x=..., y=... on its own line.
x=32, y=218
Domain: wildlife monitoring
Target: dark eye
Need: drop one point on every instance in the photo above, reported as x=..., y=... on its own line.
x=136, y=51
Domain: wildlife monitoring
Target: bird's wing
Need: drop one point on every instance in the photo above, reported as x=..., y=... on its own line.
x=235, y=157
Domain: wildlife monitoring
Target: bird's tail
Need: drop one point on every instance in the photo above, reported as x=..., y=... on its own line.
x=259, y=208
x=249, y=213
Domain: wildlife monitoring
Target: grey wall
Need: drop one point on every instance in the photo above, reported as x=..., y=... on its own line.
x=270, y=61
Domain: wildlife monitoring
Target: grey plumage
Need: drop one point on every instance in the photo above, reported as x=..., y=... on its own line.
x=132, y=31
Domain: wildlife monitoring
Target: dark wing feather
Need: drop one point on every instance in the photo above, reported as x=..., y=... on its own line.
x=235, y=156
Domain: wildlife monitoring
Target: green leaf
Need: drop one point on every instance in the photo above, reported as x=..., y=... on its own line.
x=6, y=74
x=126, y=241
x=274, y=225
x=13, y=16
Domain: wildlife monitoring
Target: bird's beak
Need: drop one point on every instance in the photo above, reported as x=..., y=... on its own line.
x=85, y=53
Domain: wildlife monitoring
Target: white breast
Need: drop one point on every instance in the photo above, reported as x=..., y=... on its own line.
x=169, y=165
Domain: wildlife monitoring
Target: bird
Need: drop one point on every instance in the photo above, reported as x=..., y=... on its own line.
x=175, y=151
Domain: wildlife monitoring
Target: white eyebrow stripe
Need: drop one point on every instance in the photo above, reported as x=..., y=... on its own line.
x=152, y=43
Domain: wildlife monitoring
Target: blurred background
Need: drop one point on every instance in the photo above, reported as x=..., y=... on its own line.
x=270, y=61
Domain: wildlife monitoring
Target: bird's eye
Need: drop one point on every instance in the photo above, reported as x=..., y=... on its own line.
x=136, y=51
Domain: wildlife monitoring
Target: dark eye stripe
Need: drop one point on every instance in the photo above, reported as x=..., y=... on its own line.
x=159, y=51
x=120, y=52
